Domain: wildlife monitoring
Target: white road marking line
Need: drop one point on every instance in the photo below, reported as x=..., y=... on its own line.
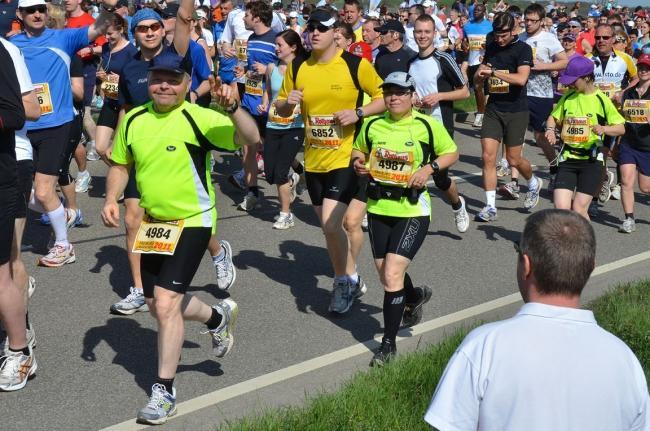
x=301, y=368
x=464, y=177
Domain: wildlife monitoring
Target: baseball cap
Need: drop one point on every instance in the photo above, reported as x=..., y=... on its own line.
x=170, y=11
x=569, y=36
x=143, y=15
x=593, y=6
x=293, y=14
x=578, y=67
x=574, y=23
x=361, y=49
x=640, y=14
x=30, y=3
x=391, y=25
x=428, y=3
x=323, y=17
x=168, y=61
x=644, y=59
x=400, y=79
x=199, y=14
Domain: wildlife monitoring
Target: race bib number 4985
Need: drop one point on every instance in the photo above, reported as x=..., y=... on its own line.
x=576, y=130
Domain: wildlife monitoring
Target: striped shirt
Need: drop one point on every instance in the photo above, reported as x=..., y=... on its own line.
x=261, y=49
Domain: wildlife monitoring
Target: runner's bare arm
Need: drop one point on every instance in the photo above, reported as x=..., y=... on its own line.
x=100, y=25
x=518, y=78
x=245, y=126
x=118, y=176
x=182, y=31
x=32, y=108
x=559, y=62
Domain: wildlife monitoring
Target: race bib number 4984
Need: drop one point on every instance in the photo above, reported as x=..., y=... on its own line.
x=158, y=237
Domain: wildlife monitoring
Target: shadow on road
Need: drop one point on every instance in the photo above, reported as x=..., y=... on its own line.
x=492, y=232
x=119, y=277
x=298, y=267
x=135, y=350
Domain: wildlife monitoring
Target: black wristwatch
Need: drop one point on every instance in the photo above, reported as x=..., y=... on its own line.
x=435, y=167
x=359, y=113
x=231, y=109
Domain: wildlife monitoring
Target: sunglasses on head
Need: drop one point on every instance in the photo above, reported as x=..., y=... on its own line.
x=33, y=9
x=317, y=26
x=145, y=28
x=602, y=37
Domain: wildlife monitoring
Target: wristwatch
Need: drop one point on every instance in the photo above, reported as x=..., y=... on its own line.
x=494, y=69
x=359, y=113
x=231, y=109
x=435, y=167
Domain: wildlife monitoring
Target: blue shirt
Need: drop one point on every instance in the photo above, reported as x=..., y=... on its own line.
x=200, y=67
x=115, y=62
x=48, y=60
x=261, y=49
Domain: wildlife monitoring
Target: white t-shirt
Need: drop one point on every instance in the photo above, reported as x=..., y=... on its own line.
x=409, y=38
x=23, y=145
x=545, y=46
x=235, y=32
x=208, y=36
x=546, y=368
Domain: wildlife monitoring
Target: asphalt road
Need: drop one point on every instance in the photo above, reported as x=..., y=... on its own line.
x=95, y=369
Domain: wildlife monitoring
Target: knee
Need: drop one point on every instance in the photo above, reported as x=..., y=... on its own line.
x=392, y=277
x=332, y=226
x=513, y=160
x=42, y=192
x=645, y=188
x=132, y=219
x=352, y=223
x=167, y=305
x=489, y=159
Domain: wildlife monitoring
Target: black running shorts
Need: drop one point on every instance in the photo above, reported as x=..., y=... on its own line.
x=582, y=176
x=339, y=185
x=397, y=235
x=49, y=148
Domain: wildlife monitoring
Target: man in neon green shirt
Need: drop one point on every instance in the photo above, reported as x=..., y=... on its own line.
x=169, y=140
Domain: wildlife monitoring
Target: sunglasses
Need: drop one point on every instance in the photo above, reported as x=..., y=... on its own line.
x=398, y=93
x=317, y=26
x=621, y=40
x=145, y=28
x=33, y=9
x=602, y=37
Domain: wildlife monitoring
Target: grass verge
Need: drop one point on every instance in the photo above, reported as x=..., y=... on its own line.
x=395, y=398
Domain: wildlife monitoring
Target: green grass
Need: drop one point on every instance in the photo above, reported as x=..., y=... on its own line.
x=395, y=398
x=465, y=105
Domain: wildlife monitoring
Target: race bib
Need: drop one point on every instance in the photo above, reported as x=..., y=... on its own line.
x=44, y=98
x=609, y=88
x=391, y=167
x=324, y=132
x=636, y=111
x=110, y=87
x=241, y=46
x=498, y=86
x=276, y=118
x=576, y=130
x=254, y=85
x=476, y=43
x=444, y=44
x=158, y=237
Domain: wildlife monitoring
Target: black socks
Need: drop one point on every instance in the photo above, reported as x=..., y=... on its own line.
x=215, y=320
x=393, y=310
x=409, y=291
x=167, y=383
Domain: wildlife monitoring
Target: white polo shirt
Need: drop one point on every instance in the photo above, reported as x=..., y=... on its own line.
x=546, y=368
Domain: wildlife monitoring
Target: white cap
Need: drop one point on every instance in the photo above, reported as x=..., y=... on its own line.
x=275, y=1
x=372, y=14
x=428, y=3
x=593, y=6
x=293, y=14
x=30, y=3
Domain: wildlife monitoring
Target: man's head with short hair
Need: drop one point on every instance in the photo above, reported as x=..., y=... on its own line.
x=414, y=12
x=559, y=248
x=352, y=11
x=257, y=11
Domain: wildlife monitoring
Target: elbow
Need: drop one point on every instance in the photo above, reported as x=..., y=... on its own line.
x=465, y=93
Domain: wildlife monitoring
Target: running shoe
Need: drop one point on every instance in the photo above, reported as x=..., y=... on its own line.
x=82, y=182
x=606, y=188
x=58, y=256
x=364, y=221
x=532, y=197
x=259, y=158
x=74, y=218
x=616, y=192
x=302, y=184
x=487, y=214
x=384, y=354
x=294, y=178
x=503, y=169
x=226, y=272
x=222, y=336
x=237, y=180
x=628, y=226
x=342, y=296
x=284, y=221
x=249, y=203
x=133, y=303
x=593, y=209
x=91, y=153
x=359, y=288
x=461, y=217
x=15, y=369
x=509, y=190
x=478, y=120
x=161, y=406
x=31, y=286
x=413, y=311
x=31, y=340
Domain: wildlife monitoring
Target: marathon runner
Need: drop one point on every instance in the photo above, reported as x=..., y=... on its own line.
x=584, y=115
x=506, y=68
x=169, y=140
x=329, y=95
x=474, y=43
x=398, y=152
x=438, y=82
x=634, y=150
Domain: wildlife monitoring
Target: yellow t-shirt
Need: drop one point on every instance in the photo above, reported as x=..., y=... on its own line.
x=329, y=88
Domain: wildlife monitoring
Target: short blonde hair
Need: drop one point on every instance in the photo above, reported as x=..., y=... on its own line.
x=55, y=16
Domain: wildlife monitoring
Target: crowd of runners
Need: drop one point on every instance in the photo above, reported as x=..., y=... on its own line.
x=365, y=92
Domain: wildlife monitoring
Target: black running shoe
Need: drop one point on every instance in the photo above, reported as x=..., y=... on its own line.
x=413, y=311
x=384, y=354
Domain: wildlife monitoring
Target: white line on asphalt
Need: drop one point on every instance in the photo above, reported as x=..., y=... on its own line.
x=292, y=371
x=465, y=177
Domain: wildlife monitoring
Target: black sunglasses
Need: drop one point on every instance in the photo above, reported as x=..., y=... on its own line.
x=33, y=9
x=602, y=37
x=317, y=26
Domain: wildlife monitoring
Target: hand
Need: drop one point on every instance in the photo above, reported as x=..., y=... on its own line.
x=360, y=167
x=550, y=137
x=598, y=129
x=430, y=100
x=616, y=97
x=229, y=52
x=238, y=71
x=420, y=177
x=295, y=97
x=113, y=77
x=261, y=109
x=346, y=117
x=85, y=52
x=193, y=97
x=259, y=68
x=111, y=214
x=224, y=94
x=101, y=74
x=484, y=71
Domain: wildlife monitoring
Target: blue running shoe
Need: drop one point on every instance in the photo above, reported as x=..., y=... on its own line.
x=487, y=214
x=161, y=406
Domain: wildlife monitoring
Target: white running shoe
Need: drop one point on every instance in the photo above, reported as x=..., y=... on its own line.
x=31, y=286
x=249, y=203
x=82, y=182
x=226, y=272
x=132, y=303
x=222, y=336
x=284, y=221
x=616, y=192
x=628, y=226
x=364, y=221
x=461, y=217
x=15, y=369
x=91, y=152
x=30, y=336
x=302, y=184
x=58, y=256
x=478, y=120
